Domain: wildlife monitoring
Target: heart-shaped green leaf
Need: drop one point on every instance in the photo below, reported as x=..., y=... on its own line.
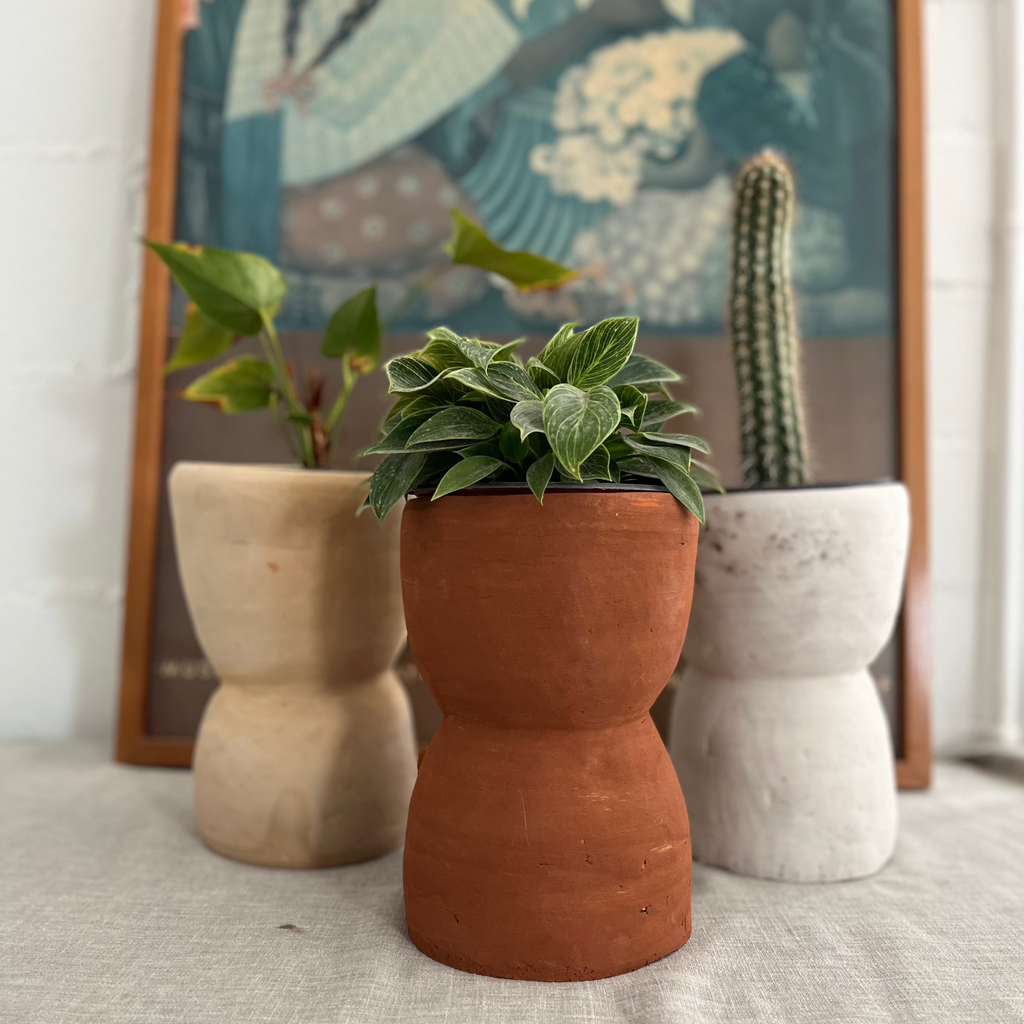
x=564, y=474
x=393, y=479
x=466, y=473
x=469, y=245
x=237, y=290
x=658, y=412
x=538, y=476
x=528, y=416
x=556, y=356
x=577, y=421
x=201, y=338
x=644, y=373
x=455, y=422
x=355, y=329
x=602, y=351
x=239, y=385
x=513, y=382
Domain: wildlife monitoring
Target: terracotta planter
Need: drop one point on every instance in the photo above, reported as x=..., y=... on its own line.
x=305, y=756
x=547, y=837
x=777, y=731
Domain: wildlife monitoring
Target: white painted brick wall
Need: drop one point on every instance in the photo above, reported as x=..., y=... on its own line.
x=72, y=158
x=74, y=88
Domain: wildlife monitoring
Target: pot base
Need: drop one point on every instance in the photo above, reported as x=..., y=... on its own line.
x=787, y=779
x=307, y=779
x=547, y=855
x=449, y=959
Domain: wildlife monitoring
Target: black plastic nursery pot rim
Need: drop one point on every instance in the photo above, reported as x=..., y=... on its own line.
x=511, y=487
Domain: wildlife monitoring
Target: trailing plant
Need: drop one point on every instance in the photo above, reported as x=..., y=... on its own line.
x=238, y=294
x=763, y=328
x=468, y=410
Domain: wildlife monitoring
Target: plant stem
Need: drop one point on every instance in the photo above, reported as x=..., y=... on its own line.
x=275, y=356
x=342, y=400
x=285, y=427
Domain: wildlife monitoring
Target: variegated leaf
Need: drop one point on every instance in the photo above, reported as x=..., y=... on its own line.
x=577, y=421
x=645, y=373
x=393, y=479
x=538, y=476
x=513, y=382
x=455, y=422
x=602, y=351
x=528, y=416
x=466, y=473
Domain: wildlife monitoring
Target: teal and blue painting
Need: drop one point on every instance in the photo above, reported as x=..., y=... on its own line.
x=333, y=137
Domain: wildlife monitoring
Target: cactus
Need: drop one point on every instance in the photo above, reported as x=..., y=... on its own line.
x=763, y=327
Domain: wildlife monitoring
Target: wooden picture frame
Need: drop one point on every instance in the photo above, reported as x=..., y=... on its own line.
x=136, y=744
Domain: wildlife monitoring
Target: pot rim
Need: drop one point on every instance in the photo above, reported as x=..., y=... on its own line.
x=842, y=485
x=272, y=467
x=510, y=487
x=513, y=487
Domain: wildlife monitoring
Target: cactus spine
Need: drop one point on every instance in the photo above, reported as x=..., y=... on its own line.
x=762, y=324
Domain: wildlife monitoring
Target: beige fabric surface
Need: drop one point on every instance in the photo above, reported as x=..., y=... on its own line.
x=112, y=910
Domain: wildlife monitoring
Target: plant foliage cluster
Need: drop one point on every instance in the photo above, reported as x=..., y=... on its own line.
x=588, y=408
x=238, y=294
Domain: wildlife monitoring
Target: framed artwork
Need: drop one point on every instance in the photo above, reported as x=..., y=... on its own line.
x=334, y=136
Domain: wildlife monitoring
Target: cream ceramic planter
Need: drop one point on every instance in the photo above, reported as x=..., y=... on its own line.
x=778, y=734
x=305, y=755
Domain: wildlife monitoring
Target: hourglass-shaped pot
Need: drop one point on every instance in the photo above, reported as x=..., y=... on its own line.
x=305, y=756
x=778, y=733
x=547, y=837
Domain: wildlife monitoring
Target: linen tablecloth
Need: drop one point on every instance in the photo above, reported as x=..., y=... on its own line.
x=112, y=910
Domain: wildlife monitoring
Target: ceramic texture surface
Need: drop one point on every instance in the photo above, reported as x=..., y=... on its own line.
x=305, y=756
x=547, y=836
x=777, y=732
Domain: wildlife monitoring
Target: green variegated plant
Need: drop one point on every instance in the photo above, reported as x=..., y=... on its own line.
x=583, y=410
x=238, y=294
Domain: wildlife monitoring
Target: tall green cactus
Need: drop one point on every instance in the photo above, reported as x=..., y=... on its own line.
x=762, y=323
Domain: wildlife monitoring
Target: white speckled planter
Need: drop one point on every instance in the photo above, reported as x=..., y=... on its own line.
x=778, y=734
